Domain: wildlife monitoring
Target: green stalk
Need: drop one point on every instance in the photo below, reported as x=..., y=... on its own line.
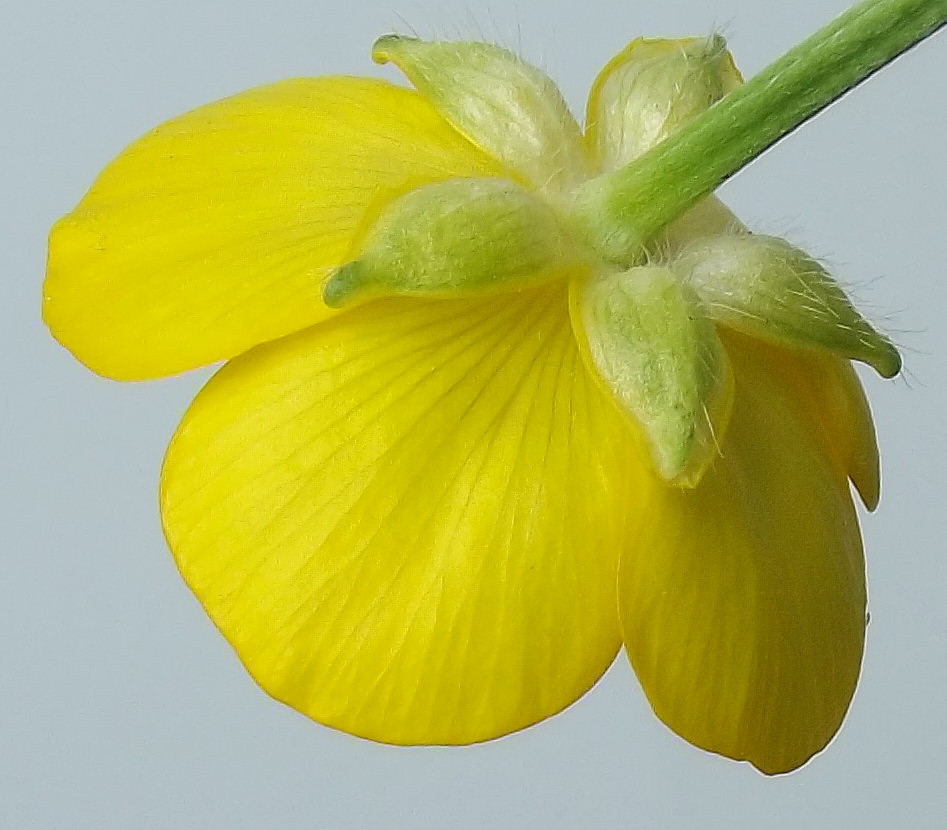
x=623, y=210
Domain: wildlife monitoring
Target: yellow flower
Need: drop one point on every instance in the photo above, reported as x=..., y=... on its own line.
x=451, y=423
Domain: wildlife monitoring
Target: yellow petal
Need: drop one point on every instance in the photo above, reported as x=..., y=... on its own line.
x=213, y=233
x=837, y=408
x=743, y=601
x=406, y=520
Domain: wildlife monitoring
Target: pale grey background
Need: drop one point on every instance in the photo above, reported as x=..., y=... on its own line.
x=121, y=707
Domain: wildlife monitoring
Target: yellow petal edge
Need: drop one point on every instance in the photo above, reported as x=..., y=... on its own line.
x=214, y=232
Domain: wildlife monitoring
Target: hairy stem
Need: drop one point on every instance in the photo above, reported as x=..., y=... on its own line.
x=623, y=210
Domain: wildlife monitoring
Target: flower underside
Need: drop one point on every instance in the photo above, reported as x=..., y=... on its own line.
x=452, y=422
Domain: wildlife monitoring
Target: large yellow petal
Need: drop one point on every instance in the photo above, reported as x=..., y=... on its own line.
x=406, y=520
x=743, y=601
x=213, y=232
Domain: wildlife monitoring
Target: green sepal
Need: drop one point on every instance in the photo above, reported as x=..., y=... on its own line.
x=708, y=217
x=504, y=105
x=767, y=288
x=650, y=90
x=459, y=238
x=646, y=337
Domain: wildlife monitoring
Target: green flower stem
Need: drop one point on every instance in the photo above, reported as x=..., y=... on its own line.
x=622, y=211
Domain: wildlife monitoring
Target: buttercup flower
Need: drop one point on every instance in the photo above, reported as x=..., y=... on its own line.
x=471, y=438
